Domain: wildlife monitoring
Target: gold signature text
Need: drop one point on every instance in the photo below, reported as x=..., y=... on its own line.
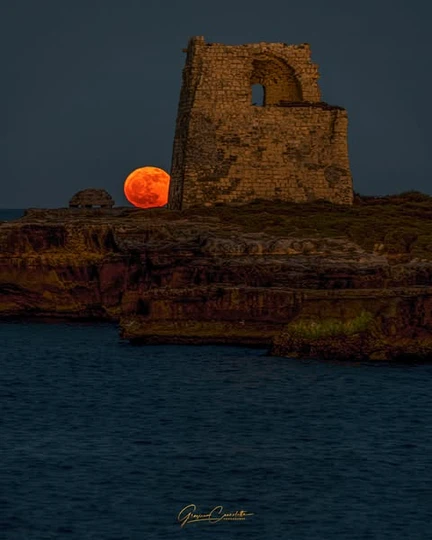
x=189, y=514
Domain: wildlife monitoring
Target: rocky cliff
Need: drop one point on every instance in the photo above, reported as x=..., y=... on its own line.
x=238, y=276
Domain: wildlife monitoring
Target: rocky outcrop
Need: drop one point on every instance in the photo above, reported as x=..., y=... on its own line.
x=169, y=277
x=378, y=325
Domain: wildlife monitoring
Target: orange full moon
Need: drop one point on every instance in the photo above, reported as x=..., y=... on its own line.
x=147, y=187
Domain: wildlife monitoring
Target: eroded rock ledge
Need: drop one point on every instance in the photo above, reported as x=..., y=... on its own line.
x=170, y=277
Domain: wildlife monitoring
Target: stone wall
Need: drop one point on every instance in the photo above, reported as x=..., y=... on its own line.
x=226, y=149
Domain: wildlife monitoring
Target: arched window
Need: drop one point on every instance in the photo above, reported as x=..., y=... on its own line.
x=258, y=95
x=277, y=79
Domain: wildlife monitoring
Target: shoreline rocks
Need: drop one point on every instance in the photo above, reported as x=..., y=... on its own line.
x=171, y=277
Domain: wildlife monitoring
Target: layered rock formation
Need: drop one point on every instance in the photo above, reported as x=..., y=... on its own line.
x=170, y=277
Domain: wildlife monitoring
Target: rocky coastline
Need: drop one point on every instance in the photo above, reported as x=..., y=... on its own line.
x=295, y=279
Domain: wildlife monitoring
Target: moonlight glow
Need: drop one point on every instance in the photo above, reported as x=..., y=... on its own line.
x=147, y=187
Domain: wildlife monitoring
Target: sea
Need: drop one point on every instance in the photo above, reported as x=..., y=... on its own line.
x=104, y=440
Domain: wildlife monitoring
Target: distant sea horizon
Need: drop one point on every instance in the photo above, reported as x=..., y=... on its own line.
x=9, y=214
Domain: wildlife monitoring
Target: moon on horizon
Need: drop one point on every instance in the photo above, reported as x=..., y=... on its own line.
x=147, y=187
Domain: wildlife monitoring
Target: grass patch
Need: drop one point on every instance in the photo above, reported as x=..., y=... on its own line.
x=327, y=328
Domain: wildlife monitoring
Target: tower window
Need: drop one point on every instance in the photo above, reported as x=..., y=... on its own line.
x=258, y=95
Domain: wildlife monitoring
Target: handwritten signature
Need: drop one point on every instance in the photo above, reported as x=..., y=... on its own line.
x=188, y=514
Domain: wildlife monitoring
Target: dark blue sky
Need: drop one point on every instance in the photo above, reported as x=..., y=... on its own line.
x=90, y=88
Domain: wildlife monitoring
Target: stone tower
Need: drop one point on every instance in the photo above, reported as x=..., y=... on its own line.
x=293, y=147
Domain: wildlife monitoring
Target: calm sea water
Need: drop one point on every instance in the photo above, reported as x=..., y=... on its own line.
x=103, y=440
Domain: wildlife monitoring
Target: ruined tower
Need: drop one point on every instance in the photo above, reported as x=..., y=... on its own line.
x=292, y=147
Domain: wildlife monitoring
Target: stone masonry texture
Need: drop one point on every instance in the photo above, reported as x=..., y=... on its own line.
x=292, y=147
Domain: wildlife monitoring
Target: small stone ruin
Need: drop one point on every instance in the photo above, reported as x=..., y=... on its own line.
x=91, y=198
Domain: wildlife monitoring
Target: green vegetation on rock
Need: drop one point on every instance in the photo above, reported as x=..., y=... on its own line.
x=308, y=329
